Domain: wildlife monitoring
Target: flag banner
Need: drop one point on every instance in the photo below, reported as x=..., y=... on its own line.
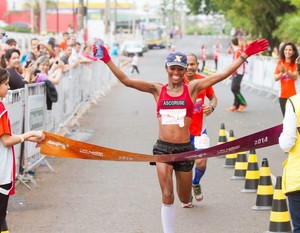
x=55, y=145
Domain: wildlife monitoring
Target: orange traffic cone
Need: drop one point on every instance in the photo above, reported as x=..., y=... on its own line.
x=230, y=158
x=252, y=174
x=4, y=228
x=240, y=167
x=265, y=189
x=279, y=218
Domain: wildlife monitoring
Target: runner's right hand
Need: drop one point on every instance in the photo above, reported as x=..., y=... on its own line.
x=106, y=57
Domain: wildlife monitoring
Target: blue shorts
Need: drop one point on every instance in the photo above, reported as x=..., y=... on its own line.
x=161, y=147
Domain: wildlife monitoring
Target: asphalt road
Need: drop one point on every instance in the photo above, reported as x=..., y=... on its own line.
x=114, y=197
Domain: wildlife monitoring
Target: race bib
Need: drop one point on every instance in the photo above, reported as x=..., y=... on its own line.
x=201, y=142
x=173, y=116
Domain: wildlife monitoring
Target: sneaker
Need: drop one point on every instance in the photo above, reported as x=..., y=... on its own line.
x=231, y=109
x=241, y=108
x=197, y=192
x=188, y=205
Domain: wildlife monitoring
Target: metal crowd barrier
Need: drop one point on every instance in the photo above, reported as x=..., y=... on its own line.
x=27, y=110
x=259, y=75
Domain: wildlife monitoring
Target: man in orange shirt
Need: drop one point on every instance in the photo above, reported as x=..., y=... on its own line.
x=198, y=134
x=63, y=43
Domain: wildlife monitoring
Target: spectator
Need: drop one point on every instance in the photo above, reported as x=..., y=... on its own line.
x=52, y=42
x=217, y=51
x=87, y=53
x=289, y=142
x=34, y=52
x=275, y=52
x=45, y=48
x=71, y=41
x=65, y=57
x=63, y=43
x=11, y=62
x=70, y=29
x=75, y=59
x=7, y=155
x=114, y=50
x=57, y=51
x=203, y=55
x=12, y=43
x=3, y=48
x=114, y=53
x=286, y=73
x=42, y=65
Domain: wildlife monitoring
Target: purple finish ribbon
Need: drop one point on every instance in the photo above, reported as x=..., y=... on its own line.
x=56, y=145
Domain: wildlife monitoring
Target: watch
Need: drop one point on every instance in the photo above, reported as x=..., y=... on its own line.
x=212, y=107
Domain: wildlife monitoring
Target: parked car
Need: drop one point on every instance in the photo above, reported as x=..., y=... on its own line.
x=131, y=47
x=17, y=24
x=143, y=45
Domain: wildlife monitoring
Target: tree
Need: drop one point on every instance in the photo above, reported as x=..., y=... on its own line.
x=258, y=18
x=288, y=29
x=203, y=6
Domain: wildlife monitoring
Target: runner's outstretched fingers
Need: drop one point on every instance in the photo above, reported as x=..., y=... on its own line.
x=256, y=47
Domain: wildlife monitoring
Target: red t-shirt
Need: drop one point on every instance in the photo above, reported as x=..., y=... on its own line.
x=287, y=85
x=241, y=70
x=197, y=118
x=62, y=45
x=7, y=156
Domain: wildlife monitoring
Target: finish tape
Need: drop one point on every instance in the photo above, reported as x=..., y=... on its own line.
x=55, y=145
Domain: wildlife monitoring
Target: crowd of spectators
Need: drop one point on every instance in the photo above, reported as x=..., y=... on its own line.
x=45, y=60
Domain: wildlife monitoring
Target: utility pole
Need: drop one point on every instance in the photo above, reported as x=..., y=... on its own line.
x=87, y=15
x=80, y=15
x=115, y=18
x=173, y=14
x=43, y=22
x=164, y=9
x=107, y=18
x=32, y=3
x=57, y=17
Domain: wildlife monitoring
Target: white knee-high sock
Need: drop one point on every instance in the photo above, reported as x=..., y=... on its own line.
x=167, y=218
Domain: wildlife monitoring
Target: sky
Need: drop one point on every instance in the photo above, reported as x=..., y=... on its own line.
x=141, y=3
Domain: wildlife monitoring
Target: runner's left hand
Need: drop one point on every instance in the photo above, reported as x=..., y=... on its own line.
x=256, y=47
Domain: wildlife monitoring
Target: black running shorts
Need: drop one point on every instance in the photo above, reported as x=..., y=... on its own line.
x=161, y=147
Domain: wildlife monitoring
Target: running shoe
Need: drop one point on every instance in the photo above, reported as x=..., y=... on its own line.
x=241, y=108
x=197, y=192
x=231, y=109
x=188, y=205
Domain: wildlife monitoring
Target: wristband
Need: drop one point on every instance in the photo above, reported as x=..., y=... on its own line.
x=244, y=59
x=22, y=139
x=212, y=108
